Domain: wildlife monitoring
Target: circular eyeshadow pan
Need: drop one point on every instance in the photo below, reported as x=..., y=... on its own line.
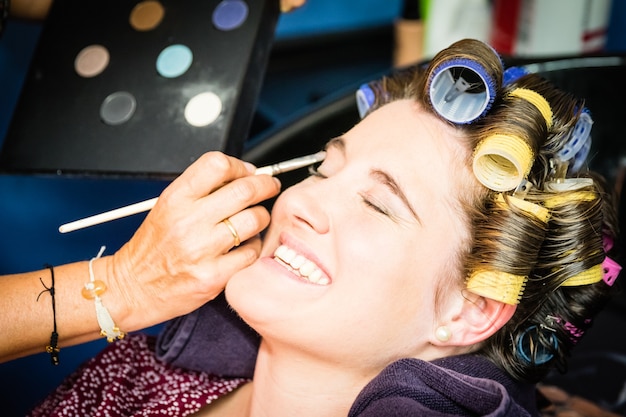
x=230, y=14
x=118, y=108
x=146, y=15
x=203, y=109
x=174, y=61
x=91, y=61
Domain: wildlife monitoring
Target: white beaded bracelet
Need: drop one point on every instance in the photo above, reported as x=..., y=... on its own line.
x=92, y=290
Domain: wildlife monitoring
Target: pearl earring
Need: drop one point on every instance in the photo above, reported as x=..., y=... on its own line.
x=443, y=334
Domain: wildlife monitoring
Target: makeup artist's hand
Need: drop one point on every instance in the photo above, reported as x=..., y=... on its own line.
x=184, y=253
x=180, y=257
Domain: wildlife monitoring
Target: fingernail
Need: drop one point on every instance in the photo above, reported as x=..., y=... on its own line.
x=277, y=182
x=249, y=167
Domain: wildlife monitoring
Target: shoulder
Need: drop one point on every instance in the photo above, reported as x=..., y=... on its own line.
x=415, y=387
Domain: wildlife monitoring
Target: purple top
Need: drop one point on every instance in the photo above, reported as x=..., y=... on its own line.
x=466, y=385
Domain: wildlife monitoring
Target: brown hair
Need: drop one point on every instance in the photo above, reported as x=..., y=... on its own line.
x=550, y=317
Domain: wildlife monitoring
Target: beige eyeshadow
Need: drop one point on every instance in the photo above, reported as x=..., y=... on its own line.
x=91, y=61
x=146, y=15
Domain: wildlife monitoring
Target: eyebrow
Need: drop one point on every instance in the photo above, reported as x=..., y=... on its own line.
x=338, y=143
x=388, y=181
x=380, y=176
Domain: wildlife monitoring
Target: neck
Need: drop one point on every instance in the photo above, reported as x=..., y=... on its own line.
x=287, y=383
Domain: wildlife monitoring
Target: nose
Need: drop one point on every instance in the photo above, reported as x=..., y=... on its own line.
x=305, y=205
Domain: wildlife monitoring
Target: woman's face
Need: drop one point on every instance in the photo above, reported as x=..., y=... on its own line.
x=354, y=255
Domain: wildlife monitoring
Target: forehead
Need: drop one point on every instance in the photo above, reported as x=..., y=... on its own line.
x=410, y=142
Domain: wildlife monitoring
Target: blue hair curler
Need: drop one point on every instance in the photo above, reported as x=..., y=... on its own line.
x=533, y=352
x=581, y=157
x=461, y=90
x=512, y=74
x=365, y=98
x=579, y=137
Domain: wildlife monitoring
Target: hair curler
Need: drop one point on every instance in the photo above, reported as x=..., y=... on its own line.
x=462, y=90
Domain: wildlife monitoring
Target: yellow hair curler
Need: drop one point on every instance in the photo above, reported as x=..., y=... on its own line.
x=501, y=161
x=497, y=285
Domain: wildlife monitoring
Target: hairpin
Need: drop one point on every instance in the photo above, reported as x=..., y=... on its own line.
x=567, y=190
x=570, y=184
x=575, y=333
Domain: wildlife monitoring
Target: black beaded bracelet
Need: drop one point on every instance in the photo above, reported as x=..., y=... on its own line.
x=52, y=348
x=4, y=14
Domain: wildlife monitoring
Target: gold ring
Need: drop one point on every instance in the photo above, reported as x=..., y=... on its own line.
x=232, y=231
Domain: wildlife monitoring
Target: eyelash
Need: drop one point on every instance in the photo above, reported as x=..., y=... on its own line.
x=314, y=172
x=373, y=206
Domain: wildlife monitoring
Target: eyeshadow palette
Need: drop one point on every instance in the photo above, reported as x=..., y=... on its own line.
x=139, y=88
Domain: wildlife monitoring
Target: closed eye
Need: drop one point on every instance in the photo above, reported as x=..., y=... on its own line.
x=314, y=171
x=377, y=208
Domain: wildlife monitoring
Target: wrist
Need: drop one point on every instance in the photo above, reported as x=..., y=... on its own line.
x=110, y=305
x=123, y=272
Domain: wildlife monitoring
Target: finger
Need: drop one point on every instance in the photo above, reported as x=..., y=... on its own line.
x=215, y=276
x=239, y=228
x=208, y=173
x=208, y=277
x=239, y=195
x=239, y=258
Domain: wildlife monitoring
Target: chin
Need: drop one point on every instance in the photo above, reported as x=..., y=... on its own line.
x=245, y=294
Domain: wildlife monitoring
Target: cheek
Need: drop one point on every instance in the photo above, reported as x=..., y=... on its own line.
x=404, y=266
x=384, y=264
x=388, y=304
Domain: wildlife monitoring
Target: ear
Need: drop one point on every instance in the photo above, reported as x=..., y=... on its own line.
x=477, y=319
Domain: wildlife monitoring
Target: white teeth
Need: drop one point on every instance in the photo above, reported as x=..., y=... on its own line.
x=301, y=265
x=289, y=255
x=298, y=261
x=308, y=268
x=315, y=276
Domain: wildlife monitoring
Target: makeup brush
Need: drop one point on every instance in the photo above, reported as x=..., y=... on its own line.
x=275, y=169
